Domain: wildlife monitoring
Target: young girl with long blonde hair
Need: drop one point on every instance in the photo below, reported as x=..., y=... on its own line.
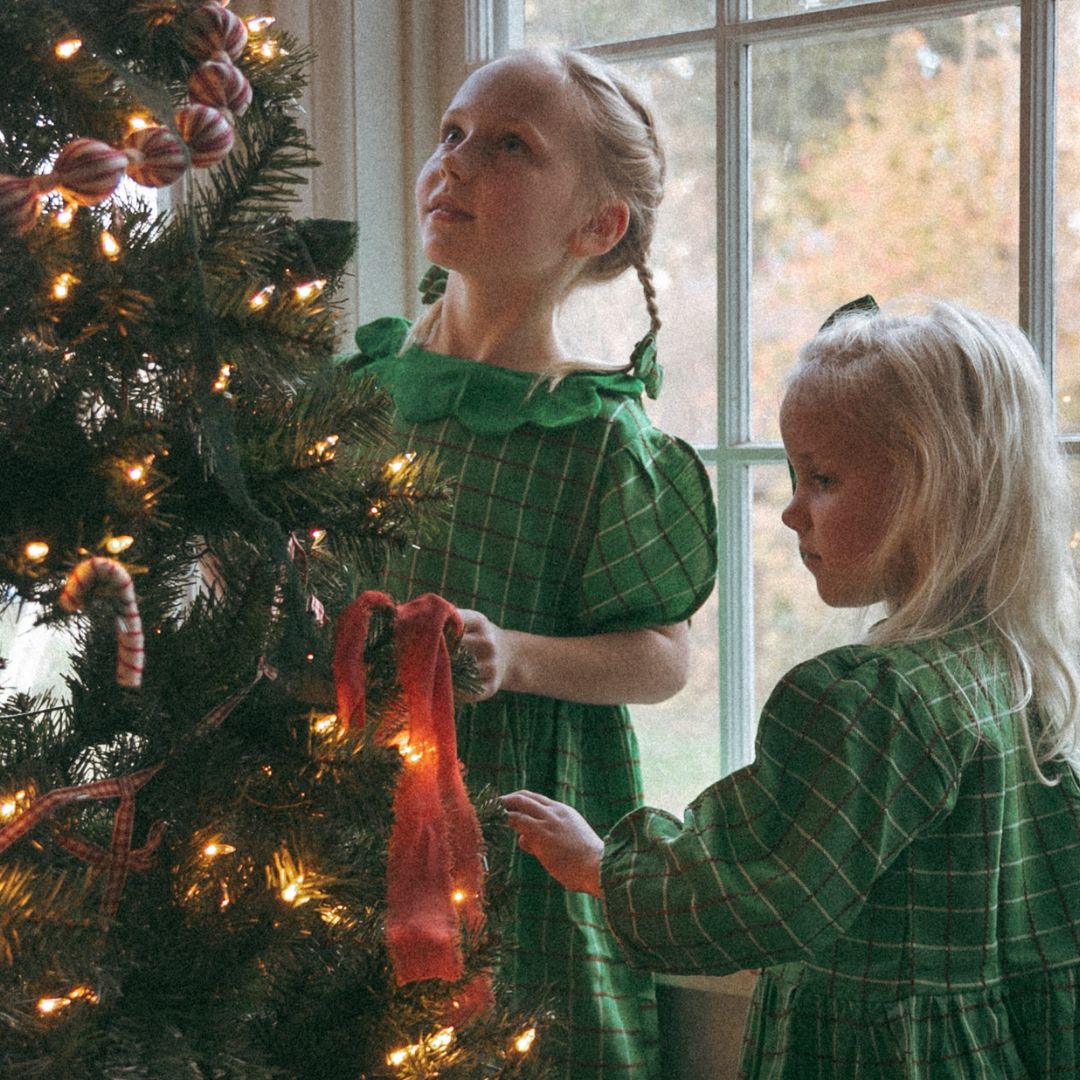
x=903, y=855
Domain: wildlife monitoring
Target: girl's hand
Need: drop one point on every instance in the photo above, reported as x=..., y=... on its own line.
x=559, y=837
x=490, y=647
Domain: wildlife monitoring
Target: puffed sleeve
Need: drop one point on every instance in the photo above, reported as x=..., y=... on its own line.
x=653, y=555
x=774, y=862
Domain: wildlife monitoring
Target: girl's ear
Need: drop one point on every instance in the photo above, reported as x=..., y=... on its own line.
x=602, y=231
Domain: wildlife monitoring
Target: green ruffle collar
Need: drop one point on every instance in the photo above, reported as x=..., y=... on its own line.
x=485, y=398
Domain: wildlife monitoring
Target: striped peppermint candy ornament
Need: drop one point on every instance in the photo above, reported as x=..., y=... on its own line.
x=221, y=84
x=207, y=132
x=156, y=156
x=213, y=30
x=18, y=203
x=98, y=575
x=87, y=171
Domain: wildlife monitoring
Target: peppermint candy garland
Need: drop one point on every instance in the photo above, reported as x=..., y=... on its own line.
x=222, y=85
x=99, y=575
x=88, y=171
x=156, y=156
x=207, y=132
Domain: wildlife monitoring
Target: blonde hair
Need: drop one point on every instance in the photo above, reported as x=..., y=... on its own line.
x=627, y=163
x=979, y=532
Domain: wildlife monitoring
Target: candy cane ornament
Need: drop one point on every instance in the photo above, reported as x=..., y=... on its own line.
x=109, y=577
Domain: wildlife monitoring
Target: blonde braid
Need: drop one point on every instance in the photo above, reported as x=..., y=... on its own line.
x=645, y=277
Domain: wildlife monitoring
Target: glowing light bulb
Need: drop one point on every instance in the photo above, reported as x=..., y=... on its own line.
x=262, y=297
x=10, y=806
x=138, y=122
x=47, y=1006
x=523, y=1043
x=292, y=891
x=325, y=724
x=459, y=896
x=260, y=22
x=215, y=848
x=67, y=48
x=110, y=246
x=36, y=550
x=396, y=464
x=61, y=286
x=324, y=449
x=65, y=216
x=269, y=50
x=135, y=473
x=117, y=544
x=397, y=1057
x=317, y=535
x=222, y=381
x=309, y=289
x=441, y=1039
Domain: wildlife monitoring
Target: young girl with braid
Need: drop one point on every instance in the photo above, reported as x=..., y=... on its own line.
x=903, y=855
x=581, y=538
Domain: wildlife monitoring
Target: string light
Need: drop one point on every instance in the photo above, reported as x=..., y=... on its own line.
x=295, y=884
x=36, y=550
x=439, y=1040
x=66, y=215
x=67, y=48
x=262, y=297
x=110, y=246
x=135, y=473
x=221, y=383
x=138, y=122
x=324, y=449
x=323, y=725
x=317, y=535
x=270, y=50
x=61, y=286
x=333, y=916
x=49, y=1005
x=395, y=465
x=459, y=896
x=310, y=289
x=14, y=804
x=215, y=848
x=523, y=1043
x=260, y=22
x=117, y=544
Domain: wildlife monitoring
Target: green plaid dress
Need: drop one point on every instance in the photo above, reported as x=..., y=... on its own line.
x=572, y=515
x=891, y=860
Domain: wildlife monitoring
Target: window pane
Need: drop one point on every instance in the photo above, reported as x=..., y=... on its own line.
x=881, y=163
x=791, y=623
x=1074, y=543
x=1067, y=208
x=593, y=22
x=678, y=738
x=603, y=322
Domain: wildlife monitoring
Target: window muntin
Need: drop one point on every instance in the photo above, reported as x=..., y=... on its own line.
x=981, y=77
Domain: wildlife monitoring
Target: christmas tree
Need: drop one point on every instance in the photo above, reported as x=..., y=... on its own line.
x=197, y=837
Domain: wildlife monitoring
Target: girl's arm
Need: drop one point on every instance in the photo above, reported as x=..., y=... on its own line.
x=625, y=667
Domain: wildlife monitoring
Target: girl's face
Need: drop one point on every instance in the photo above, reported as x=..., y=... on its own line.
x=501, y=196
x=844, y=496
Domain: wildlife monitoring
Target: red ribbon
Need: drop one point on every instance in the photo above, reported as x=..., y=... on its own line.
x=120, y=858
x=435, y=874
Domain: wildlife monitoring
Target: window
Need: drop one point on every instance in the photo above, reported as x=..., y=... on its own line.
x=817, y=150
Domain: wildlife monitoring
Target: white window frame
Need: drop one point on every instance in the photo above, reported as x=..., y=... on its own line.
x=387, y=68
